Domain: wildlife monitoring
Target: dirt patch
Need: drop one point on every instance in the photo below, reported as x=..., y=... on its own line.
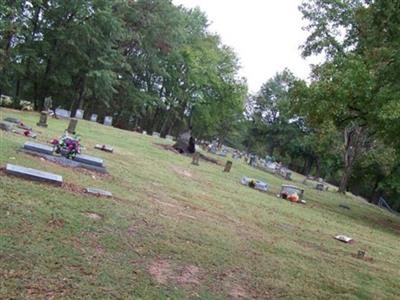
x=57, y=223
x=167, y=147
x=165, y=272
x=182, y=172
x=93, y=215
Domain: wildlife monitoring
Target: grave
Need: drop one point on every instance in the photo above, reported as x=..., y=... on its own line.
x=108, y=121
x=93, y=118
x=12, y=120
x=169, y=137
x=104, y=148
x=90, y=160
x=320, y=187
x=156, y=134
x=27, y=133
x=72, y=126
x=98, y=192
x=79, y=114
x=6, y=126
x=34, y=174
x=256, y=184
x=63, y=113
x=40, y=148
x=228, y=166
x=43, y=119
x=144, y=132
x=288, y=190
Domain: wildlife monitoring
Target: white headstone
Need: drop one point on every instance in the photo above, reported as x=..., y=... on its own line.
x=79, y=113
x=63, y=113
x=93, y=118
x=108, y=121
x=156, y=134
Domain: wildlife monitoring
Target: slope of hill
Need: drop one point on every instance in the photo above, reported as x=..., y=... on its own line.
x=174, y=230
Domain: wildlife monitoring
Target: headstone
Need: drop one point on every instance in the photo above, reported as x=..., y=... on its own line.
x=169, y=137
x=90, y=160
x=320, y=187
x=79, y=114
x=6, y=126
x=40, y=148
x=344, y=206
x=72, y=126
x=23, y=126
x=98, y=192
x=25, y=132
x=34, y=174
x=63, y=113
x=156, y=134
x=108, y=121
x=360, y=254
x=344, y=238
x=43, y=119
x=93, y=118
x=195, y=158
x=144, y=132
x=228, y=166
x=256, y=184
x=104, y=148
x=12, y=120
x=288, y=175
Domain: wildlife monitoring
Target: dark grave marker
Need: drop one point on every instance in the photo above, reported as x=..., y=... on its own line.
x=98, y=192
x=228, y=166
x=40, y=148
x=320, y=187
x=34, y=174
x=72, y=126
x=43, y=119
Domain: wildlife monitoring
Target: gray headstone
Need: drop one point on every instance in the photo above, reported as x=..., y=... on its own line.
x=156, y=134
x=169, y=137
x=6, y=126
x=93, y=118
x=34, y=174
x=43, y=119
x=90, y=160
x=320, y=187
x=79, y=113
x=12, y=120
x=40, y=148
x=104, y=148
x=144, y=132
x=108, y=121
x=63, y=113
x=98, y=192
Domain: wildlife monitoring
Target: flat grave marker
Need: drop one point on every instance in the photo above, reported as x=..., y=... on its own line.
x=104, y=148
x=98, y=192
x=12, y=120
x=6, y=126
x=34, y=174
x=40, y=148
x=90, y=160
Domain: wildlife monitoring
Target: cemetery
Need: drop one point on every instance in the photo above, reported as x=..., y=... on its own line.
x=215, y=206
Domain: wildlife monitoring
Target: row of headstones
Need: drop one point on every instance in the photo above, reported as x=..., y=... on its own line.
x=157, y=134
x=79, y=115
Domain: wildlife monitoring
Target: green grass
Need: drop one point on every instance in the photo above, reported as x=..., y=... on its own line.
x=177, y=231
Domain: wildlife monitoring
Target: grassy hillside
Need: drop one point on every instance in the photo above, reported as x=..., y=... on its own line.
x=177, y=231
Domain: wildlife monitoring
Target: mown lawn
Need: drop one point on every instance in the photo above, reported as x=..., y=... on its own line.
x=177, y=231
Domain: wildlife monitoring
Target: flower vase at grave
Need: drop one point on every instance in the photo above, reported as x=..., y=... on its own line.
x=72, y=126
x=228, y=166
x=43, y=119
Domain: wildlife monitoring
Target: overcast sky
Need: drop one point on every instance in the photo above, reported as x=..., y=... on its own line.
x=265, y=34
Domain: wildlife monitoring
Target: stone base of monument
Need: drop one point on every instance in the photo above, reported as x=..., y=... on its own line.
x=72, y=163
x=34, y=174
x=98, y=192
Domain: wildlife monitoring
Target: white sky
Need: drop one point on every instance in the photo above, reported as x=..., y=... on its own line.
x=265, y=34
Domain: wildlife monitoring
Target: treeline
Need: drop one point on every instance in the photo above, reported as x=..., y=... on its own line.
x=148, y=63
x=344, y=124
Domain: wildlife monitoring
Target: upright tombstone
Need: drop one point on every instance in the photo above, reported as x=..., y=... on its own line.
x=48, y=103
x=72, y=126
x=195, y=158
x=228, y=166
x=63, y=113
x=43, y=119
x=108, y=121
x=169, y=137
x=79, y=114
x=93, y=118
x=156, y=134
